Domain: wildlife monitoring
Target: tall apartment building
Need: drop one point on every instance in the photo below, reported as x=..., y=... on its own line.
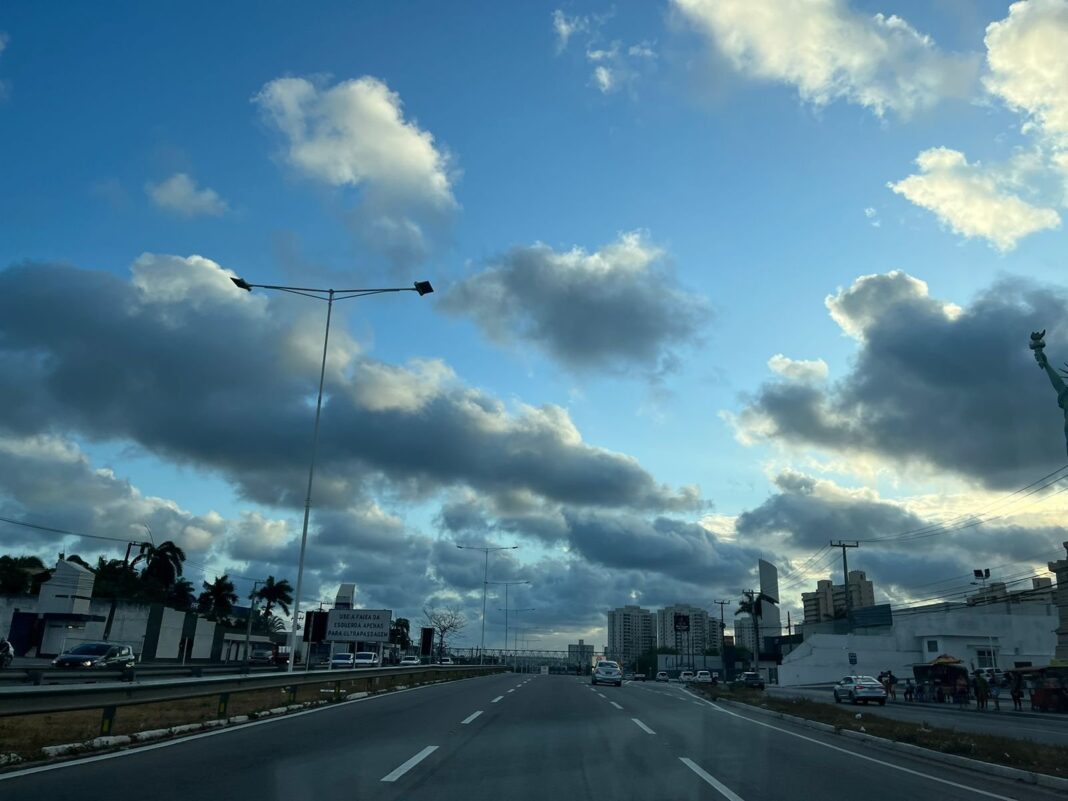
x=580, y=655
x=631, y=632
x=829, y=599
x=704, y=630
x=744, y=636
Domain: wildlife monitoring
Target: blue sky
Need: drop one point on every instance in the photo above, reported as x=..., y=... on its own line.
x=759, y=176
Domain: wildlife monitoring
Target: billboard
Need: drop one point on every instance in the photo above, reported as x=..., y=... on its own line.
x=682, y=622
x=426, y=641
x=315, y=626
x=353, y=625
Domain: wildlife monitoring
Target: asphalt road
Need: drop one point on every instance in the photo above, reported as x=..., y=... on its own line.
x=514, y=737
x=1041, y=727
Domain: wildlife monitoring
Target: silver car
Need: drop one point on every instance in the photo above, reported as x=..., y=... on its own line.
x=607, y=672
x=860, y=689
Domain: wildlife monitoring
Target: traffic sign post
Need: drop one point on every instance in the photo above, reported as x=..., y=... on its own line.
x=358, y=625
x=852, y=658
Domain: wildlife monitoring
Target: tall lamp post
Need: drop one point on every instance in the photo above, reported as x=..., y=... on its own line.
x=515, y=653
x=485, y=582
x=329, y=296
x=506, y=585
x=983, y=574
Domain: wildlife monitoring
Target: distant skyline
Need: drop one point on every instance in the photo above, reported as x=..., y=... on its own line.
x=715, y=281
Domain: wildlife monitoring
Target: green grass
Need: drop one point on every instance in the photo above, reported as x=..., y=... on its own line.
x=1014, y=753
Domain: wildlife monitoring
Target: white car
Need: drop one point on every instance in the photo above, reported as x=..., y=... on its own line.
x=703, y=677
x=344, y=660
x=607, y=672
x=411, y=660
x=662, y=676
x=686, y=675
x=860, y=690
x=445, y=661
x=366, y=659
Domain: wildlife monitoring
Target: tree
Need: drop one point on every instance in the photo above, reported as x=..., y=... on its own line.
x=400, y=633
x=163, y=564
x=445, y=622
x=218, y=599
x=752, y=606
x=115, y=579
x=17, y=573
x=180, y=595
x=273, y=593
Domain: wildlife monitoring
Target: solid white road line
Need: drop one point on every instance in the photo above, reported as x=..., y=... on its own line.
x=613, y=703
x=498, y=698
x=471, y=717
x=643, y=727
x=724, y=790
x=866, y=758
x=404, y=767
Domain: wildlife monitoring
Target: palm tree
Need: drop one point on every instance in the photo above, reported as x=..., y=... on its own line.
x=180, y=595
x=218, y=599
x=163, y=563
x=400, y=633
x=115, y=579
x=752, y=606
x=275, y=592
x=17, y=573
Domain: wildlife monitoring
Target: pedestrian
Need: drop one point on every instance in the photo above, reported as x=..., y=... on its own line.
x=1017, y=694
x=960, y=695
x=891, y=683
x=910, y=691
x=921, y=691
x=982, y=690
x=995, y=693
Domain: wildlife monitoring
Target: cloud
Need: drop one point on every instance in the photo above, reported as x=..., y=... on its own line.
x=565, y=27
x=604, y=79
x=933, y=385
x=830, y=52
x=873, y=217
x=803, y=370
x=5, y=86
x=179, y=195
x=616, y=309
x=1028, y=64
x=354, y=134
x=972, y=200
x=179, y=362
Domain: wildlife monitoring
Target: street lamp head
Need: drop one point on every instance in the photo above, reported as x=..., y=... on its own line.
x=241, y=283
x=423, y=287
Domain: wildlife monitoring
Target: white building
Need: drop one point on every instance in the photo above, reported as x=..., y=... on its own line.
x=1003, y=635
x=631, y=632
x=703, y=633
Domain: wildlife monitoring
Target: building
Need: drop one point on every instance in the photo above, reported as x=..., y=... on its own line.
x=829, y=599
x=1003, y=635
x=703, y=631
x=1060, y=570
x=580, y=655
x=744, y=636
x=631, y=632
x=1041, y=591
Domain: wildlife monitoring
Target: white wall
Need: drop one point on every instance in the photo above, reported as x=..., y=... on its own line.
x=1019, y=633
x=170, y=634
x=203, y=639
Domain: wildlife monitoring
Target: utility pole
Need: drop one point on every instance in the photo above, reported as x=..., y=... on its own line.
x=750, y=595
x=845, y=569
x=722, y=625
x=248, y=627
x=789, y=625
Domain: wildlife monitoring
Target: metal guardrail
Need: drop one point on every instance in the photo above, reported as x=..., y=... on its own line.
x=44, y=675
x=28, y=700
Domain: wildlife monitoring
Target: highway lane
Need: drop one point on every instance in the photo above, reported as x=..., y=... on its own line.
x=518, y=737
x=1006, y=723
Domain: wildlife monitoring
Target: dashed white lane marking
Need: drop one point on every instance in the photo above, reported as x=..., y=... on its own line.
x=723, y=789
x=512, y=690
x=470, y=717
x=601, y=694
x=643, y=727
x=498, y=698
x=404, y=767
x=613, y=703
x=891, y=765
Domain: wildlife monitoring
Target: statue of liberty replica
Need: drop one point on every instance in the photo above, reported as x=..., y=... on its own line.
x=1038, y=345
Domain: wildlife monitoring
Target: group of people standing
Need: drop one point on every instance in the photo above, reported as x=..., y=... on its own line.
x=960, y=691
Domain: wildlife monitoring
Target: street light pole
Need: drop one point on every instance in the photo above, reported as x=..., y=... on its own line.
x=984, y=574
x=485, y=582
x=328, y=295
x=507, y=584
x=515, y=653
x=248, y=627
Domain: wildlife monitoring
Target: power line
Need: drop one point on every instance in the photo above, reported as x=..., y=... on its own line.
x=65, y=531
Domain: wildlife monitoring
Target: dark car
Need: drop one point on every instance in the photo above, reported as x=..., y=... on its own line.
x=96, y=655
x=751, y=679
x=261, y=656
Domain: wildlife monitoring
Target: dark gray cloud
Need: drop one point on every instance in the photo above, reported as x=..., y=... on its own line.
x=617, y=309
x=953, y=389
x=181, y=363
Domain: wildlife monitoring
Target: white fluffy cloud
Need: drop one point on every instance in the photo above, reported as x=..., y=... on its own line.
x=804, y=370
x=566, y=27
x=972, y=200
x=179, y=195
x=355, y=134
x=831, y=52
x=1027, y=56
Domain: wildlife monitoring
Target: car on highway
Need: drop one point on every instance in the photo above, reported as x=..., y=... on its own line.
x=445, y=660
x=344, y=660
x=703, y=677
x=686, y=675
x=661, y=675
x=261, y=656
x=366, y=659
x=751, y=679
x=860, y=689
x=639, y=677
x=607, y=672
x=410, y=660
x=96, y=655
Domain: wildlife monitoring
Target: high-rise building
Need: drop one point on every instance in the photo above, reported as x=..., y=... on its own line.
x=829, y=599
x=703, y=630
x=744, y=636
x=580, y=655
x=631, y=632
